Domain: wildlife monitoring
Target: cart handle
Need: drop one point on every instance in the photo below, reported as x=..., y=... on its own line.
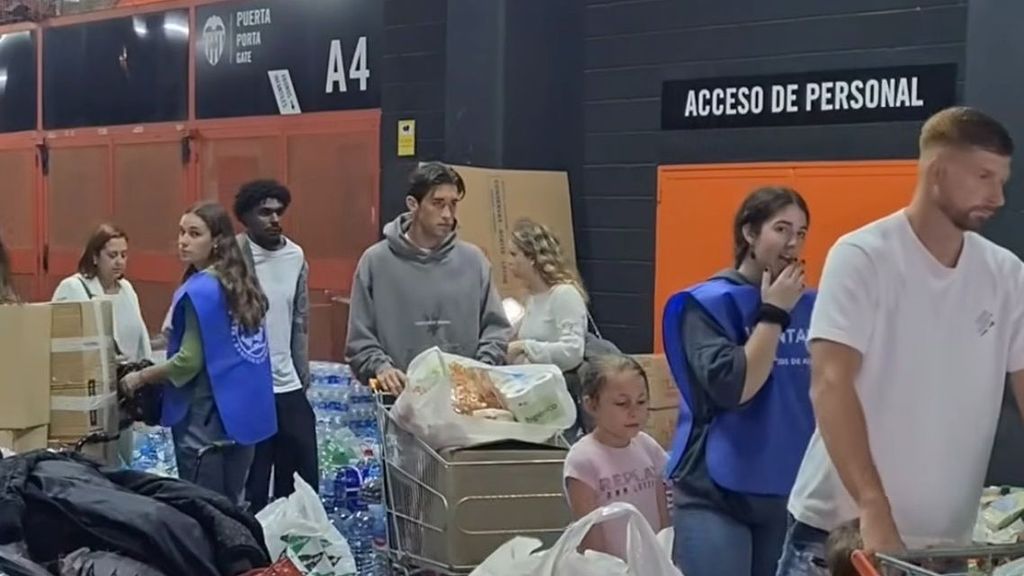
x=862, y=563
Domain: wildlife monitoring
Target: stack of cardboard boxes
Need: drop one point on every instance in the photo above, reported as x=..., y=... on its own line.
x=83, y=376
x=59, y=378
x=664, y=398
x=24, y=376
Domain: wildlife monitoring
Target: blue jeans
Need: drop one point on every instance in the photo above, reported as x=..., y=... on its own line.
x=804, y=551
x=710, y=542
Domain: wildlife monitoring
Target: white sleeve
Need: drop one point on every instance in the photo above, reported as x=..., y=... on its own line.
x=844, y=310
x=1015, y=358
x=70, y=290
x=569, y=313
x=146, y=344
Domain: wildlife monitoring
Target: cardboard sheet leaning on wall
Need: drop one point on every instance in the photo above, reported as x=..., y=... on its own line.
x=497, y=199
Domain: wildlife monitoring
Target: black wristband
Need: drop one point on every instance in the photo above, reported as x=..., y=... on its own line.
x=772, y=314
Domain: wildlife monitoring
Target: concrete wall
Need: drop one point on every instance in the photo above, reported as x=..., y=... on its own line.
x=631, y=47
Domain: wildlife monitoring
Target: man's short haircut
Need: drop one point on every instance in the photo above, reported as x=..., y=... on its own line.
x=431, y=175
x=254, y=193
x=965, y=127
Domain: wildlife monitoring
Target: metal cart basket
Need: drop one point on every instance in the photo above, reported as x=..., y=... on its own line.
x=447, y=511
x=970, y=561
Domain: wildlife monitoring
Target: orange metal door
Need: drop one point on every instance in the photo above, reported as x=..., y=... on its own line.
x=150, y=177
x=19, y=218
x=136, y=181
x=697, y=204
x=77, y=199
x=331, y=163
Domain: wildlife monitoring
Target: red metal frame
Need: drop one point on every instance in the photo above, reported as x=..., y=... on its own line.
x=333, y=276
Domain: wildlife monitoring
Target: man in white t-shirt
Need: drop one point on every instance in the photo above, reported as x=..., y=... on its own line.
x=917, y=323
x=281, y=269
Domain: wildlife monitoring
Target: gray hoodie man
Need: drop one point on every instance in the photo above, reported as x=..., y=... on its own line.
x=407, y=299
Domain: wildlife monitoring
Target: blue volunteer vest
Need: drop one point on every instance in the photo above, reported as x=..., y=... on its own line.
x=237, y=364
x=758, y=447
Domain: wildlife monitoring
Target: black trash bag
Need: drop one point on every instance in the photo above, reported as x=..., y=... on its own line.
x=143, y=405
x=85, y=562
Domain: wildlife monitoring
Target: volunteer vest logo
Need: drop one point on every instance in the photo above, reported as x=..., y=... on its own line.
x=214, y=36
x=792, y=349
x=250, y=346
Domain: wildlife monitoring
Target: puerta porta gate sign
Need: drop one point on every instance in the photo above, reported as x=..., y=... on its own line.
x=834, y=97
x=269, y=57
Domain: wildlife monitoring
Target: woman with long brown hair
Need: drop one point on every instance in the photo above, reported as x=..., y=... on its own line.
x=221, y=394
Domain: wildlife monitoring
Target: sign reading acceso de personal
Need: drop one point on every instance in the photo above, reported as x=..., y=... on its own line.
x=905, y=93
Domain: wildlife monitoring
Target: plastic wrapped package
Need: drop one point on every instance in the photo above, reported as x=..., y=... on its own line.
x=85, y=562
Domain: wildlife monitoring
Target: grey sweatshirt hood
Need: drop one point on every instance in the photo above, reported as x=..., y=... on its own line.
x=406, y=300
x=395, y=232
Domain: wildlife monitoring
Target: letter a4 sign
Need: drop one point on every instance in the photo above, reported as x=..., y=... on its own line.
x=269, y=57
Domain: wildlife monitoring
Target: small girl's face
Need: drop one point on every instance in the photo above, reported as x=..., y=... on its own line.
x=620, y=408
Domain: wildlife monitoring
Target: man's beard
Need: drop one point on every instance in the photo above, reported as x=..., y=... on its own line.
x=962, y=220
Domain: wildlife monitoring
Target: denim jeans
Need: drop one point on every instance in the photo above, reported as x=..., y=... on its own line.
x=804, y=551
x=710, y=542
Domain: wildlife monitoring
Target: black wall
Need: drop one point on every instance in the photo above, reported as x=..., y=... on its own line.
x=515, y=70
x=631, y=47
x=413, y=87
x=994, y=41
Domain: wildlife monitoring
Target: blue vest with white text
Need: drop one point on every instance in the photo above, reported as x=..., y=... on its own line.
x=756, y=448
x=236, y=362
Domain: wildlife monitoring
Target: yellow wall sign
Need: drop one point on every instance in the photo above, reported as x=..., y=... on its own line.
x=406, y=137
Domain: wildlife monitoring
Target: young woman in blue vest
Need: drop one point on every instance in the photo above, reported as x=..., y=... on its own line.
x=736, y=345
x=220, y=400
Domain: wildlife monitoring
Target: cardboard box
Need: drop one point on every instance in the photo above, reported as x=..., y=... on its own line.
x=497, y=199
x=83, y=370
x=661, y=425
x=82, y=345
x=76, y=416
x=25, y=362
x=663, y=390
x=27, y=440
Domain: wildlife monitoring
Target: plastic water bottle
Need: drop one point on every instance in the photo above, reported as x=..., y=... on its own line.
x=360, y=541
x=342, y=520
x=380, y=538
x=348, y=484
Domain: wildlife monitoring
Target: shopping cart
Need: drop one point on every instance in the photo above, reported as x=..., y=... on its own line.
x=970, y=561
x=443, y=515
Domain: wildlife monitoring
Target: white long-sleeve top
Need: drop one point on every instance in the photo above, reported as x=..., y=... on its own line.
x=554, y=326
x=129, y=328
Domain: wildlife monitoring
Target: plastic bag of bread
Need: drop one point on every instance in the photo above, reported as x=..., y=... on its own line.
x=454, y=402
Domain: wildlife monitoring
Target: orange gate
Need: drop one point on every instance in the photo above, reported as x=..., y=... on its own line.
x=697, y=204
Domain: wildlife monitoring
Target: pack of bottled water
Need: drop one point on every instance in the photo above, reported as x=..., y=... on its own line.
x=153, y=451
x=349, y=439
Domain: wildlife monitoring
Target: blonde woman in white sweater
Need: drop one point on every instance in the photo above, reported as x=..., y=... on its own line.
x=554, y=324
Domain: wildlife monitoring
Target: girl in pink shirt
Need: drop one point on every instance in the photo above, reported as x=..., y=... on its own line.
x=617, y=462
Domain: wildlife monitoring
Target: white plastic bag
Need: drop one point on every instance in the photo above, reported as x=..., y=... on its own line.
x=648, y=554
x=298, y=528
x=537, y=393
